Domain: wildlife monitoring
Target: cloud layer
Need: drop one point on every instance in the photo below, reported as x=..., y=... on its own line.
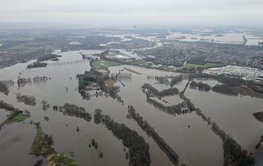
x=130, y=12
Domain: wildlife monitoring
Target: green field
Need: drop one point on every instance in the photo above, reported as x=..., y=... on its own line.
x=104, y=64
x=42, y=145
x=18, y=118
x=59, y=159
x=205, y=66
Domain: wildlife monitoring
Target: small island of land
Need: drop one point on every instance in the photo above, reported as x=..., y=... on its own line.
x=258, y=116
x=42, y=145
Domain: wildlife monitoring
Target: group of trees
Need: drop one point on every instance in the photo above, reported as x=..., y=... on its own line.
x=74, y=110
x=36, y=79
x=37, y=65
x=113, y=92
x=258, y=116
x=176, y=80
x=47, y=57
x=162, y=80
x=151, y=132
x=233, y=153
x=28, y=100
x=234, y=85
x=95, y=144
x=138, y=148
x=9, y=107
x=4, y=88
x=23, y=81
x=200, y=86
x=225, y=89
x=45, y=105
x=180, y=108
x=152, y=91
x=259, y=142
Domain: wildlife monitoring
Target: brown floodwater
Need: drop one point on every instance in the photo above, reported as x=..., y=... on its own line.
x=15, y=145
x=189, y=136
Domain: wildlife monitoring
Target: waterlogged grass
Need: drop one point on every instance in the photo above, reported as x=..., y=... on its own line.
x=18, y=118
x=105, y=64
x=205, y=66
x=59, y=159
x=42, y=145
x=15, y=118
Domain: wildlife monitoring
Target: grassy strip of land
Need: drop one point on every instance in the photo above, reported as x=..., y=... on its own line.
x=132, y=71
x=58, y=159
x=15, y=117
x=20, y=117
x=204, y=66
x=104, y=64
x=42, y=145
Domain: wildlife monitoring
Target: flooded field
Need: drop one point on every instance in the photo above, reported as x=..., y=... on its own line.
x=187, y=134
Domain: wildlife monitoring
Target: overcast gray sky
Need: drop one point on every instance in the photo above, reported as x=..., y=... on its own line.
x=133, y=12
